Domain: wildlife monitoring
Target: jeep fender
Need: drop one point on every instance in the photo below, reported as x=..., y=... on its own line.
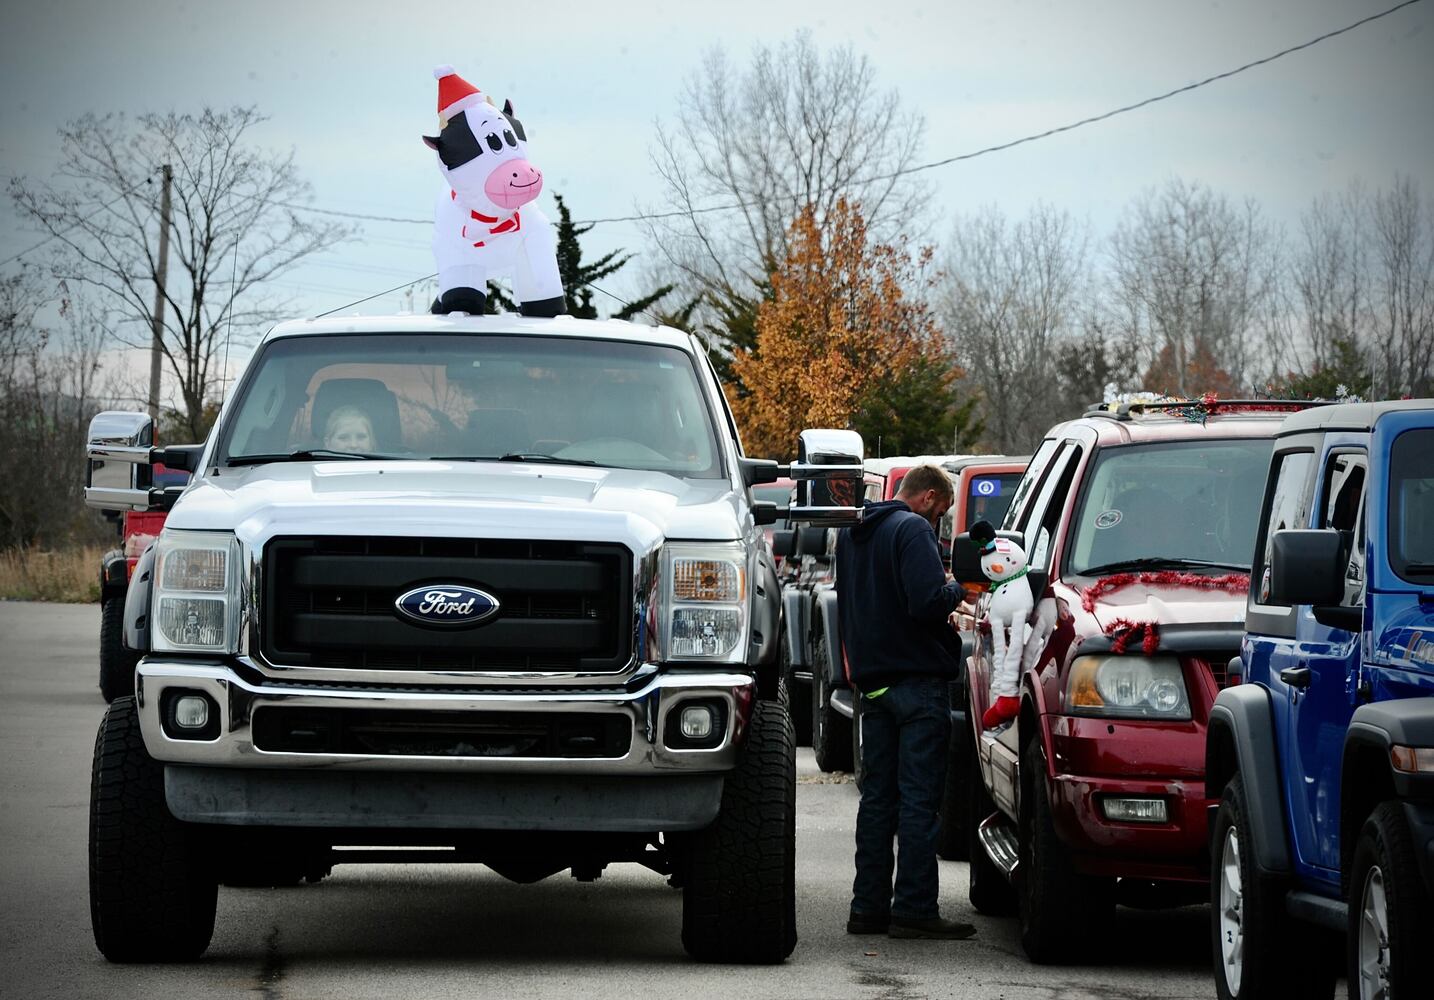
x=794, y=609
x=136, y=603
x=826, y=612
x=1368, y=776
x=1241, y=740
x=113, y=575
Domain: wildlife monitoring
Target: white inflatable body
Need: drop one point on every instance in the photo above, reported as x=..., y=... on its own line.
x=481, y=227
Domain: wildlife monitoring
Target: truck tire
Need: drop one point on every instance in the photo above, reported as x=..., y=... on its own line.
x=1257, y=949
x=953, y=839
x=1062, y=911
x=117, y=662
x=988, y=890
x=799, y=702
x=152, y=893
x=739, y=902
x=831, y=731
x=1390, y=923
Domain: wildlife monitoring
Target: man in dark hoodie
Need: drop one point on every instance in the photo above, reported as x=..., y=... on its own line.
x=893, y=602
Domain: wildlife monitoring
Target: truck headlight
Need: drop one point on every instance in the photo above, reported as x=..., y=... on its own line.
x=704, y=597
x=195, y=605
x=1136, y=687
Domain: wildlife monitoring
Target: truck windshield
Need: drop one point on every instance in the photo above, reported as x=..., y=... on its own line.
x=473, y=397
x=1411, y=505
x=1185, y=503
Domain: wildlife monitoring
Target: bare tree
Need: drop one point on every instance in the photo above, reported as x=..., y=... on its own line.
x=49, y=389
x=1011, y=297
x=1403, y=255
x=794, y=128
x=233, y=230
x=1192, y=276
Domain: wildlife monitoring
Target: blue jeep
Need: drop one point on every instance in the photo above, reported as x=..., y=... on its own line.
x=1323, y=758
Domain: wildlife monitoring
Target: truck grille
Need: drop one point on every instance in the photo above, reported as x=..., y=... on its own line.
x=565, y=606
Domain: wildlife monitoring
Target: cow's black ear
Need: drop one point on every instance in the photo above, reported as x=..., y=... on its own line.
x=507, y=107
x=431, y=141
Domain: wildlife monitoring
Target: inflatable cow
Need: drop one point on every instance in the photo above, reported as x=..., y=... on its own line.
x=485, y=224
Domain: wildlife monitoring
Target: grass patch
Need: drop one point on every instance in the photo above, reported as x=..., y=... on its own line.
x=71, y=576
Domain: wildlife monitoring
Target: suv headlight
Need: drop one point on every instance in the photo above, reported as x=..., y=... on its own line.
x=1136, y=687
x=195, y=605
x=704, y=601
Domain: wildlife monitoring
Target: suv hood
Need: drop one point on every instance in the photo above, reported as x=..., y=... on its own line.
x=1164, y=604
x=441, y=498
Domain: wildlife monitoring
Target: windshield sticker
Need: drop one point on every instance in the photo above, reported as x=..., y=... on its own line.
x=1107, y=519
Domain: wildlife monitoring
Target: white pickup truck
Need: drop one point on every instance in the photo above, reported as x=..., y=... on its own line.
x=521, y=610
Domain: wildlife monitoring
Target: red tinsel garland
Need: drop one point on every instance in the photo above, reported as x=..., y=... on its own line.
x=1122, y=630
x=1231, y=583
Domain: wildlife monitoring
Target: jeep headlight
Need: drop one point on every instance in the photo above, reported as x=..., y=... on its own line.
x=704, y=601
x=195, y=604
x=1136, y=687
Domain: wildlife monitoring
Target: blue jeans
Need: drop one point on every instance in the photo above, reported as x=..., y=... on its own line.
x=904, y=736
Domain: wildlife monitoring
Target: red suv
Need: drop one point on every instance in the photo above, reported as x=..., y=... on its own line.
x=1138, y=521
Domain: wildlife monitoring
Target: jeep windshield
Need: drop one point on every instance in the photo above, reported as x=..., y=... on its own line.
x=1175, y=505
x=472, y=397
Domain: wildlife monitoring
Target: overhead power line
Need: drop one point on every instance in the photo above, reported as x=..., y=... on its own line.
x=917, y=168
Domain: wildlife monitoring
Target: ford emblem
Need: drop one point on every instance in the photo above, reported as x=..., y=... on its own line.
x=446, y=605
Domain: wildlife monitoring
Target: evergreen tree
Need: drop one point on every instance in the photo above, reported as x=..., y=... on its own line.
x=578, y=278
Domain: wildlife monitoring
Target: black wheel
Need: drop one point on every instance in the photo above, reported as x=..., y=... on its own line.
x=1390, y=923
x=799, y=702
x=953, y=840
x=152, y=892
x=831, y=731
x=1062, y=911
x=739, y=901
x=989, y=891
x=1258, y=950
x=117, y=662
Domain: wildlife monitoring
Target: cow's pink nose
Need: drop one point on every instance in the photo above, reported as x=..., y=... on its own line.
x=513, y=183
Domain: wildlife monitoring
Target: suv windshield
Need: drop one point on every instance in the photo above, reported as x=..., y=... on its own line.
x=466, y=396
x=1185, y=502
x=1411, y=505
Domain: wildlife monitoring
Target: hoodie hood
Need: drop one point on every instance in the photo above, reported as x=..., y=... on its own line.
x=872, y=515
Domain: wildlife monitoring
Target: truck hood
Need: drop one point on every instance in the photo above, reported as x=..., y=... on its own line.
x=462, y=499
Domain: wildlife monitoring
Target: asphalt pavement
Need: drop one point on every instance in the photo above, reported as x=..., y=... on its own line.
x=400, y=931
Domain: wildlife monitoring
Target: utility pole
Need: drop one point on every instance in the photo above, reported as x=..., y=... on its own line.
x=156, y=347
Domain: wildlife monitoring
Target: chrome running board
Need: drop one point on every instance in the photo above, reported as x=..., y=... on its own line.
x=998, y=837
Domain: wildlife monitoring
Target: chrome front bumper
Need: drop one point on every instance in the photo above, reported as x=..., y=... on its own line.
x=646, y=710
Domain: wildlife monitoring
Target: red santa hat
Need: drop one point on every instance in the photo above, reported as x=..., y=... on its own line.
x=455, y=94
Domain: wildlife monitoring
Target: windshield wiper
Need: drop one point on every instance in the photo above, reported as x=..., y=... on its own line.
x=1420, y=569
x=516, y=456
x=303, y=455
x=1159, y=562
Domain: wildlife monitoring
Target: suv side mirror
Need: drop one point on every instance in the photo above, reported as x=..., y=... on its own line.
x=812, y=542
x=1307, y=567
x=966, y=558
x=829, y=478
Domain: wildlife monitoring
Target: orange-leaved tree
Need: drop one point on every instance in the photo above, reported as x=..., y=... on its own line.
x=839, y=336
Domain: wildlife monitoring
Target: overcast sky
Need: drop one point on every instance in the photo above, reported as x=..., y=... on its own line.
x=349, y=87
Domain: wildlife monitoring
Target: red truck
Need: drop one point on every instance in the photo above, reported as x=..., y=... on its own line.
x=1139, y=523
x=137, y=531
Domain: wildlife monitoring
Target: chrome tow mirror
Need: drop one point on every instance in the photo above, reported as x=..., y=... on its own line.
x=118, y=474
x=829, y=478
